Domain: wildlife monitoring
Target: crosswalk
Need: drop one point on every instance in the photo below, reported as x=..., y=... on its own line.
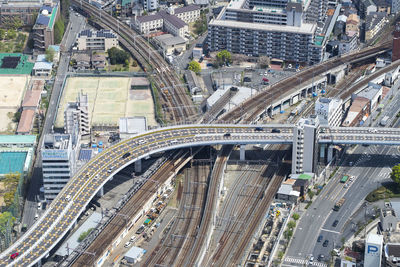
x=291, y=260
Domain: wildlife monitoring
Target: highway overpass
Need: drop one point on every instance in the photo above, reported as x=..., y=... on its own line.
x=62, y=213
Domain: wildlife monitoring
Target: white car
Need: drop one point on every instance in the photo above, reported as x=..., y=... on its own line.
x=39, y=205
x=127, y=244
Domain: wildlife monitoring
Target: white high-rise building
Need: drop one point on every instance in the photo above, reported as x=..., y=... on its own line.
x=305, y=146
x=58, y=163
x=373, y=250
x=77, y=114
x=329, y=111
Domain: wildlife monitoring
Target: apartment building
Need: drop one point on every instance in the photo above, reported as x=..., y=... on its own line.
x=278, y=29
x=374, y=23
x=58, y=163
x=43, y=30
x=353, y=25
x=77, y=114
x=188, y=14
x=97, y=40
x=25, y=11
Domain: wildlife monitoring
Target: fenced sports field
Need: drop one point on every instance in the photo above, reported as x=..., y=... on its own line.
x=110, y=98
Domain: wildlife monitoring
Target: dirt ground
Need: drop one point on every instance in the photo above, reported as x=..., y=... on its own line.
x=12, y=89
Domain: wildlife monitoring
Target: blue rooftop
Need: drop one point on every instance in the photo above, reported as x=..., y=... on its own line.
x=85, y=154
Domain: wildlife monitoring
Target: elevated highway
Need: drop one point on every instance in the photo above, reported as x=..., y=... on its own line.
x=62, y=213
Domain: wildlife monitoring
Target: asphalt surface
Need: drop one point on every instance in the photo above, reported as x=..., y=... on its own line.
x=31, y=204
x=371, y=167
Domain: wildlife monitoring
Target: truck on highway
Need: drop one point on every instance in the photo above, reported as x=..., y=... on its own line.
x=344, y=179
x=339, y=204
x=384, y=120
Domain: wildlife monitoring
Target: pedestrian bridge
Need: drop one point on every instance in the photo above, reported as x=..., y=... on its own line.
x=62, y=213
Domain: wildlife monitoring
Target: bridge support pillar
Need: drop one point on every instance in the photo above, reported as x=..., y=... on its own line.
x=100, y=193
x=330, y=153
x=138, y=165
x=242, y=152
x=322, y=151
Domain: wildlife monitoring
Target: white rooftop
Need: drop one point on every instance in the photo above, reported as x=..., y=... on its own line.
x=306, y=28
x=132, y=125
x=375, y=239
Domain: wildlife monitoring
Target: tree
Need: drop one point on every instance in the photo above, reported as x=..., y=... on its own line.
x=84, y=235
x=50, y=54
x=288, y=234
x=310, y=194
x=395, y=174
x=59, y=29
x=224, y=56
x=117, y=56
x=5, y=217
x=194, y=66
x=2, y=34
x=291, y=224
x=295, y=216
x=134, y=63
x=263, y=62
x=17, y=116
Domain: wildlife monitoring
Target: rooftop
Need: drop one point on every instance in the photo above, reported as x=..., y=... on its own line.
x=23, y=66
x=47, y=15
x=174, y=20
x=306, y=28
x=132, y=125
x=12, y=162
x=99, y=34
x=148, y=18
x=169, y=39
x=32, y=98
x=17, y=139
x=374, y=239
x=186, y=9
x=26, y=121
x=135, y=252
x=373, y=19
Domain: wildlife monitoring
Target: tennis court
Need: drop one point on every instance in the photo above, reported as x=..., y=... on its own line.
x=109, y=99
x=12, y=162
x=15, y=63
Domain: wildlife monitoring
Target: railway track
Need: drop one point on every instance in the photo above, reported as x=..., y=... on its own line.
x=183, y=109
x=104, y=240
x=256, y=105
x=182, y=233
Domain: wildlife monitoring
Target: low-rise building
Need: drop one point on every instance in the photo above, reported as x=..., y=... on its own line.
x=373, y=24
x=188, y=14
x=353, y=25
x=347, y=44
x=171, y=44
x=43, y=30
x=392, y=254
x=140, y=83
x=373, y=93
x=97, y=40
x=366, y=7
x=383, y=6
x=358, y=112
x=390, y=217
x=197, y=52
x=82, y=61
x=98, y=61
x=131, y=126
x=42, y=67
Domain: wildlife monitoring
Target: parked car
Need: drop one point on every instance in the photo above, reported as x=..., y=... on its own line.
x=325, y=244
x=320, y=237
x=335, y=223
x=127, y=244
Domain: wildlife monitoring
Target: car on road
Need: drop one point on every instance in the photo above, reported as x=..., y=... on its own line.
x=227, y=135
x=321, y=257
x=325, y=244
x=258, y=129
x=36, y=216
x=127, y=244
x=310, y=259
x=320, y=237
x=140, y=230
x=97, y=176
x=14, y=255
x=39, y=205
x=275, y=130
x=346, y=185
x=68, y=197
x=335, y=223
x=247, y=79
x=126, y=155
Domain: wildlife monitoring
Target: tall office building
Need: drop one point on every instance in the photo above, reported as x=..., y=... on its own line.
x=58, y=163
x=305, y=146
x=291, y=31
x=77, y=115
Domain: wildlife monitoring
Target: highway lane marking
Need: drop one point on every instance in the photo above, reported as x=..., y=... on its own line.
x=331, y=231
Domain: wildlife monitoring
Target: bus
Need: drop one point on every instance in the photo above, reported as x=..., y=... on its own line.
x=339, y=204
x=344, y=179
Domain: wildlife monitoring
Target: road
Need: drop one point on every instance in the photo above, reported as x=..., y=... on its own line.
x=372, y=166
x=30, y=208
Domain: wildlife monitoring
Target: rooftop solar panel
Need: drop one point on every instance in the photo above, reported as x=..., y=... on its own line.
x=85, y=154
x=10, y=62
x=43, y=20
